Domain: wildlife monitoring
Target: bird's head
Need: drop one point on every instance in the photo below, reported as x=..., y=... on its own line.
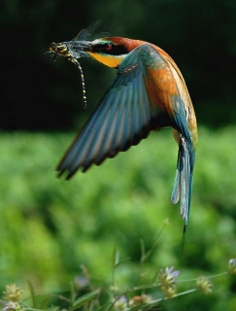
x=111, y=50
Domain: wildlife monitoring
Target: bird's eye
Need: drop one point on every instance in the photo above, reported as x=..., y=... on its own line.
x=107, y=46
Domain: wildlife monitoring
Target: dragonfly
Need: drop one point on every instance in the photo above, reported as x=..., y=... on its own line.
x=73, y=50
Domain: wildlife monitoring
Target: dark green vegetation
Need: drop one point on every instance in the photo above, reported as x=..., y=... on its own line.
x=49, y=226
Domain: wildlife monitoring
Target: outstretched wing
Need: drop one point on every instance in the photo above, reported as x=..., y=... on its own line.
x=125, y=115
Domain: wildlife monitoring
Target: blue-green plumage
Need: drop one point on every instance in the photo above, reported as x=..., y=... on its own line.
x=121, y=119
x=148, y=93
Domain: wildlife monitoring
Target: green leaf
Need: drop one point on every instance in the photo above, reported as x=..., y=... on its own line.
x=32, y=294
x=85, y=298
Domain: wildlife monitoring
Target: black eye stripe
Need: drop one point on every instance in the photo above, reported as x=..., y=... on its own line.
x=110, y=49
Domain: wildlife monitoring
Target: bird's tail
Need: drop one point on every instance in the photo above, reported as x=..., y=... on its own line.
x=183, y=180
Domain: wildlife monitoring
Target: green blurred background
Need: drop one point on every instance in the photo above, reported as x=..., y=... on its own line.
x=49, y=227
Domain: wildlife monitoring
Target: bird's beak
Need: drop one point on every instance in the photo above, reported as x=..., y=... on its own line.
x=81, y=47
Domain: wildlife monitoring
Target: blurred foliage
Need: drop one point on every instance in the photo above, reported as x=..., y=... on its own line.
x=39, y=94
x=161, y=292
x=50, y=227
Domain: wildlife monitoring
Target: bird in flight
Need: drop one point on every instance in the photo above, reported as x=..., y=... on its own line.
x=148, y=93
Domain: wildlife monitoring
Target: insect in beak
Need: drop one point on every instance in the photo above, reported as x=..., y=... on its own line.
x=72, y=50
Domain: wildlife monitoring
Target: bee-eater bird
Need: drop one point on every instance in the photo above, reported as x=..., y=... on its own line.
x=148, y=93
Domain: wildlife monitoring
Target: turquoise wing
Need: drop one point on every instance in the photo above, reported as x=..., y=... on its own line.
x=124, y=116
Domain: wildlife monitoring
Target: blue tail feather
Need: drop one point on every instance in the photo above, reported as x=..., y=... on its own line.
x=183, y=180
